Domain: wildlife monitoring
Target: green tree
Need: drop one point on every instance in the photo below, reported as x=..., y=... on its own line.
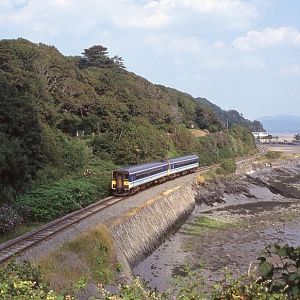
x=21, y=141
x=206, y=119
x=96, y=56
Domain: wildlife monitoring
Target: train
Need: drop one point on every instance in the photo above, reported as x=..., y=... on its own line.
x=132, y=179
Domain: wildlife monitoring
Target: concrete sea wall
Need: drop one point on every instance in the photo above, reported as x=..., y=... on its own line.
x=143, y=228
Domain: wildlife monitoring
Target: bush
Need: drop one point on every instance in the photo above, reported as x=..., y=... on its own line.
x=227, y=166
x=48, y=202
x=23, y=281
x=239, y=289
x=280, y=270
x=273, y=154
x=9, y=218
x=98, y=173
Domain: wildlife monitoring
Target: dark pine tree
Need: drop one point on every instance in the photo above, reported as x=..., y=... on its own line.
x=96, y=56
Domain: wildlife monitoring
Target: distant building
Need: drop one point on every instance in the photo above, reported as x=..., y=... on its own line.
x=265, y=137
x=259, y=135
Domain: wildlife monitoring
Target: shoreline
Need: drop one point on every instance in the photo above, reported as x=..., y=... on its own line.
x=230, y=234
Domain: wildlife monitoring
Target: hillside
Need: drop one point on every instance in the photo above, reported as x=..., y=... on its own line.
x=281, y=123
x=47, y=99
x=231, y=116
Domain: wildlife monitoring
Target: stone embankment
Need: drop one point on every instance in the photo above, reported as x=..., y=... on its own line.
x=142, y=229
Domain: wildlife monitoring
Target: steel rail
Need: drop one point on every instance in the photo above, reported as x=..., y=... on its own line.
x=26, y=241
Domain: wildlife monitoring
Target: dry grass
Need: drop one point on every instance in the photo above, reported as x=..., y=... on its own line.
x=200, y=179
x=89, y=257
x=198, y=132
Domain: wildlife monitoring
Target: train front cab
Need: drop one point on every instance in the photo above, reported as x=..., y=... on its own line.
x=120, y=182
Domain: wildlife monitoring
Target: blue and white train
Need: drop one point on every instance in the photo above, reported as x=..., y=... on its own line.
x=129, y=180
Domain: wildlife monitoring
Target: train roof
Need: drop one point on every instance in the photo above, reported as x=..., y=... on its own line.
x=149, y=166
x=142, y=167
x=183, y=158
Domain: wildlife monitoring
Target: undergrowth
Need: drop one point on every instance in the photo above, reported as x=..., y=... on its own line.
x=274, y=154
x=89, y=257
x=277, y=278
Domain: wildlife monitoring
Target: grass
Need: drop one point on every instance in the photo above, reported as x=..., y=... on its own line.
x=203, y=224
x=288, y=216
x=18, y=231
x=88, y=258
x=212, y=174
x=198, y=132
x=274, y=154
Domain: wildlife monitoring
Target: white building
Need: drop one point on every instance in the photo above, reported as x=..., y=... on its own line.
x=259, y=135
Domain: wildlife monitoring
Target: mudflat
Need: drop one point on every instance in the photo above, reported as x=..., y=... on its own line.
x=232, y=223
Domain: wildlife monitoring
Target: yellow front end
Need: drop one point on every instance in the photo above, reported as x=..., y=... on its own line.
x=113, y=184
x=127, y=185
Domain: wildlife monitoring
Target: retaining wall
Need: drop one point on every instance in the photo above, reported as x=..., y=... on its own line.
x=143, y=228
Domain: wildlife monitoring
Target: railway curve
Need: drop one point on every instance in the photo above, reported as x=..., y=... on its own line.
x=20, y=244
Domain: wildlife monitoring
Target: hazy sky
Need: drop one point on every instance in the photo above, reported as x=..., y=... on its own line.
x=241, y=54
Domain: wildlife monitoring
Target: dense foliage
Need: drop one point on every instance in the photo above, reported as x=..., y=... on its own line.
x=60, y=116
x=48, y=202
x=9, y=218
x=23, y=281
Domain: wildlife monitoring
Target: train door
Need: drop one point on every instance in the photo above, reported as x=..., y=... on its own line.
x=169, y=166
x=120, y=181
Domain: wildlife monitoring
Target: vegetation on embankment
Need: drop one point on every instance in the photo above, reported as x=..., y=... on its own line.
x=46, y=99
x=273, y=155
x=277, y=278
x=88, y=258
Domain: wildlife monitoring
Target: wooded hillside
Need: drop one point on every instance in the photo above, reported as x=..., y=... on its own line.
x=46, y=98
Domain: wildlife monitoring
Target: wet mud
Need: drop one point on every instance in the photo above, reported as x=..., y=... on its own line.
x=232, y=223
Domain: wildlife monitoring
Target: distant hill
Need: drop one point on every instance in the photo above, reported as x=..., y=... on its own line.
x=231, y=116
x=281, y=123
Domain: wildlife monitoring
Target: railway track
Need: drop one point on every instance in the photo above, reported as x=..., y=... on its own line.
x=261, y=151
x=26, y=241
x=14, y=247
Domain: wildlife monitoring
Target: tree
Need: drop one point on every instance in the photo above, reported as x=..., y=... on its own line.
x=297, y=137
x=96, y=56
x=206, y=119
x=21, y=152
x=119, y=62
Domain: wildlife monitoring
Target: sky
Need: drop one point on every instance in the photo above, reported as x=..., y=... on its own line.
x=239, y=54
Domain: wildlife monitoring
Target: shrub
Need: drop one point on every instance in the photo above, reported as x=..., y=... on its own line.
x=227, y=166
x=280, y=270
x=239, y=289
x=9, y=218
x=98, y=173
x=48, y=202
x=273, y=154
x=23, y=281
